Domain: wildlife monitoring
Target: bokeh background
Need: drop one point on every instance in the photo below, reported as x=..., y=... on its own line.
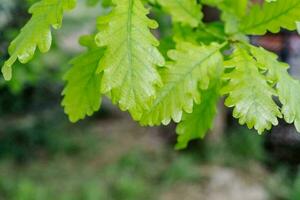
x=108, y=156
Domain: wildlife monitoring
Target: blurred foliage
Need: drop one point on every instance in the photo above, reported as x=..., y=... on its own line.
x=237, y=148
x=295, y=193
x=96, y=172
x=31, y=140
x=135, y=174
x=24, y=89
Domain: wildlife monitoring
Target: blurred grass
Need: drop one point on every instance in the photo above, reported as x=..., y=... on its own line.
x=45, y=157
x=239, y=147
x=109, y=159
x=50, y=159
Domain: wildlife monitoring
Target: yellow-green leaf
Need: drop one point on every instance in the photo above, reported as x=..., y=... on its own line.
x=183, y=11
x=249, y=92
x=82, y=94
x=37, y=32
x=271, y=17
x=131, y=56
x=191, y=69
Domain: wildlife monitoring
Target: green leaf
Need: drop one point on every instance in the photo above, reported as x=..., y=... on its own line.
x=187, y=12
x=106, y=3
x=192, y=67
x=231, y=22
x=92, y=2
x=288, y=92
x=249, y=92
x=232, y=12
x=206, y=34
x=82, y=94
x=37, y=32
x=196, y=124
x=129, y=63
x=239, y=8
x=235, y=7
x=287, y=87
x=271, y=17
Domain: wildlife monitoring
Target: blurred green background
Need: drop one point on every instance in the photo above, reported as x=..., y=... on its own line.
x=43, y=156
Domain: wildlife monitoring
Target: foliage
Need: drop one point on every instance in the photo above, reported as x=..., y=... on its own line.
x=271, y=17
x=131, y=171
x=240, y=147
x=36, y=33
x=36, y=138
x=130, y=77
x=210, y=60
x=134, y=174
x=82, y=93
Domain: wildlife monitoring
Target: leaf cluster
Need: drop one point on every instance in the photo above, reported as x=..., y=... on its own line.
x=126, y=61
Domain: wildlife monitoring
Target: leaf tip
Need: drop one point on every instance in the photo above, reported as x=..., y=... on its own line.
x=7, y=72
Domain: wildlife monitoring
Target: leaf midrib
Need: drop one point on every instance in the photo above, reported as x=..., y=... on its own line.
x=129, y=41
x=129, y=32
x=271, y=19
x=174, y=83
x=187, y=11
